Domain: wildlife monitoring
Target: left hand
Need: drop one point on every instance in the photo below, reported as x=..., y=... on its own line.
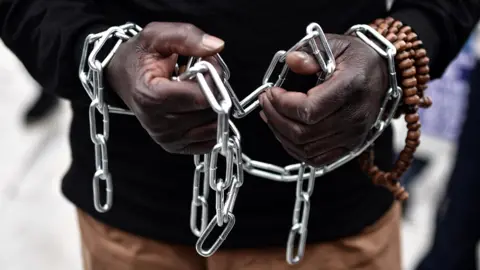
x=334, y=117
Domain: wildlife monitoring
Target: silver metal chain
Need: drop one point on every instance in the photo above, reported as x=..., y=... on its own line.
x=228, y=139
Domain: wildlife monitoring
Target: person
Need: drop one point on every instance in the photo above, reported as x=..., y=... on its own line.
x=354, y=224
x=457, y=233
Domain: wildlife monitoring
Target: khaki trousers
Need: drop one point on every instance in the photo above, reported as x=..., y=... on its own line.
x=107, y=248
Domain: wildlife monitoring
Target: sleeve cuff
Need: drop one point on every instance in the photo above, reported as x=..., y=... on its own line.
x=427, y=32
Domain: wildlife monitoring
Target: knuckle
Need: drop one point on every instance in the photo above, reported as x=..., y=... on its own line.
x=185, y=30
x=149, y=98
x=359, y=81
x=307, y=151
x=306, y=113
x=148, y=31
x=299, y=134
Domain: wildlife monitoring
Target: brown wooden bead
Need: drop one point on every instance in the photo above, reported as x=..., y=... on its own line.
x=373, y=170
x=405, y=156
x=401, y=194
x=417, y=44
x=401, y=165
x=413, y=135
x=389, y=177
x=422, y=87
x=399, y=171
x=423, y=79
x=409, y=150
x=400, y=45
x=407, y=63
x=412, y=118
x=409, y=45
x=389, y=20
x=393, y=30
x=405, y=29
x=378, y=21
x=384, y=24
x=414, y=126
x=391, y=37
x=411, y=37
x=402, y=55
x=409, y=82
x=423, y=70
x=409, y=72
x=379, y=178
x=427, y=102
x=422, y=61
x=412, y=143
x=408, y=92
x=412, y=100
x=382, y=30
x=420, y=53
x=397, y=24
x=401, y=36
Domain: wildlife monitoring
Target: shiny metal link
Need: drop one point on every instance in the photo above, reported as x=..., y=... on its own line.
x=223, y=204
x=301, y=213
x=228, y=137
x=91, y=77
x=201, y=190
x=315, y=42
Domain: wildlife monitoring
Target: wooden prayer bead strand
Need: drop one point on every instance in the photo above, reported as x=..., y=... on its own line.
x=413, y=75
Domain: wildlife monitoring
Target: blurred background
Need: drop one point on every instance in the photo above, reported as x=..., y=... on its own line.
x=38, y=229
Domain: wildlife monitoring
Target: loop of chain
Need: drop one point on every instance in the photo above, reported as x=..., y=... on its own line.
x=91, y=77
x=229, y=146
x=301, y=213
x=315, y=37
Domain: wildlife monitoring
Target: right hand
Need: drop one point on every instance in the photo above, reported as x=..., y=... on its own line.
x=175, y=114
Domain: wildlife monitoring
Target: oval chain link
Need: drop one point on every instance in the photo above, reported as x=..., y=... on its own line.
x=229, y=146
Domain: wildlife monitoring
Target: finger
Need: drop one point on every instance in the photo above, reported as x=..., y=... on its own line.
x=302, y=63
x=292, y=130
x=179, y=38
x=198, y=148
x=326, y=98
x=173, y=96
x=189, y=120
x=327, y=157
x=202, y=133
x=312, y=149
x=174, y=127
x=289, y=104
x=155, y=71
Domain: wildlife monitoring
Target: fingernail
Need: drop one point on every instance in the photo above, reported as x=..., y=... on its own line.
x=262, y=98
x=211, y=42
x=303, y=56
x=264, y=118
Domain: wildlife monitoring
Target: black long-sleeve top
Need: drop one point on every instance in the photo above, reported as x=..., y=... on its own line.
x=152, y=188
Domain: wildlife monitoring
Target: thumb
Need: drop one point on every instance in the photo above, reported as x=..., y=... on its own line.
x=302, y=63
x=179, y=38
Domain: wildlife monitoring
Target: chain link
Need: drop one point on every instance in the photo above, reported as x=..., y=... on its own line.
x=91, y=77
x=228, y=137
x=301, y=213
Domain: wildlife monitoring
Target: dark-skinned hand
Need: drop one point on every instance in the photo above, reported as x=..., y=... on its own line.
x=175, y=114
x=332, y=118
